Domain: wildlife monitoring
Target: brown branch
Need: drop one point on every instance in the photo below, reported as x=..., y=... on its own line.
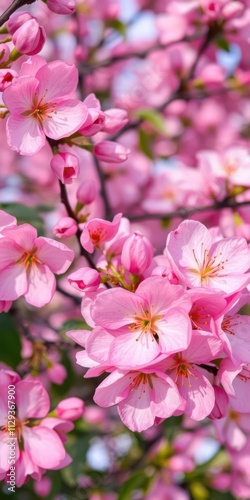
x=184, y=213
x=65, y=201
x=16, y=4
x=90, y=68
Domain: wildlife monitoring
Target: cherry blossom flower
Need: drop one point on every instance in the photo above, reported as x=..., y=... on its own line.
x=199, y=261
x=139, y=326
x=40, y=104
x=28, y=264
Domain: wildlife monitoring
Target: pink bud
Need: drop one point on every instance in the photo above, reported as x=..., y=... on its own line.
x=18, y=19
x=111, y=152
x=6, y=77
x=117, y=119
x=65, y=228
x=62, y=6
x=43, y=487
x=65, y=166
x=29, y=38
x=87, y=192
x=137, y=253
x=221, y=403
x=57, y=373
x=70, y=409
x=85, y=279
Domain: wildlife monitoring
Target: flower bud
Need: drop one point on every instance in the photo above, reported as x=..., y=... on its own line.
x=57, y=373
x=111, y=152
x=85, y=279
x=29, y=38
x=117, y=119
x=70, y=409
x=221, y=403
x=66, y=7
x=18, y=19
x=6, y=77
x=87, y=192
x=137, y=253
x=65, y=228
x=65, y=166
x=43, y=487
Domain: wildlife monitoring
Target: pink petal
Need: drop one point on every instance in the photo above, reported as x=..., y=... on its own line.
x=65, y=119
x=127, y=352
x=55, y=255
x=41, y=285
x=135, y=411
x=44, y=446
x=166, y=399
x=13, y=282
x=19, y=96
x=8, y=253
x=115, y=308
x=113, y=389
x=24, y=134
x=198, y=393
x=57, y=80
x=32, y=400
x=174, y=331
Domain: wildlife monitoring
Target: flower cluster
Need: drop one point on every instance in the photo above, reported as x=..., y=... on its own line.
x=159, y=330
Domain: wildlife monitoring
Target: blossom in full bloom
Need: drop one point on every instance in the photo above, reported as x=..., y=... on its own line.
x=28, y=264
x=199, y=261
x=40, y=104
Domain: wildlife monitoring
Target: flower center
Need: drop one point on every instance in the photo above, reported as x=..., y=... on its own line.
x=228, y=324
x=199, y=317
x=183, y=370
x=28, y=258
x=208, y=266
x=145, y=323
x=140, y=380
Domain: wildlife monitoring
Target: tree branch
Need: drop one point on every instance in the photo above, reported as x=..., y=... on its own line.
x=184, y=213
x=16, y=4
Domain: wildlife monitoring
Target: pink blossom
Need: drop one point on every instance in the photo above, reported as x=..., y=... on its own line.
x=141, y=396
x=41, y=105
x=117, y=120
x=111, y=152
x=137, y=253
x=65, y=166
x=29, y=38
x=96, y=119
x=18, y=19
x=236, y=382
x=6, y=78
x=190, y=379
x=85, y=279
x=32, y=402
x=221, y=403
x=70, y=409
x=137, y=327
x=87, y=192
x=98, y=231
x=62, y=6
x=28, y=265
x=65, y=228
x=198, y=261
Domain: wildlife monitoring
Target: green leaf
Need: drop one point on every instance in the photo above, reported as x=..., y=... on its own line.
x=117, y=25
x=139, y=481
x=77, y=449
x=10, y=345
x=152, y=117
x=145, y=144
x=74, y=324
x=25, y=214
x=223, y=44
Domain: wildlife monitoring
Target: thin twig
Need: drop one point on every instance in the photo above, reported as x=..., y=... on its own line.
x=184, y=213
